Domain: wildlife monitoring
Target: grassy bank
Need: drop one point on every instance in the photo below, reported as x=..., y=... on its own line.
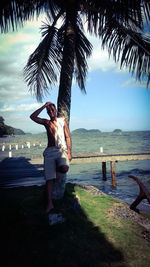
x=90, y=237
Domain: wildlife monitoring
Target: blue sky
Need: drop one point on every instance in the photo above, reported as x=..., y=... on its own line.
x=114, y=99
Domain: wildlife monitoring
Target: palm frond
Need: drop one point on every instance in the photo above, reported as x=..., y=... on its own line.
x=42, y=66
x=146, y=10
x=51, y=9
x=14, y=13
x=83, y=49
x=132, y=48
x=98, y=12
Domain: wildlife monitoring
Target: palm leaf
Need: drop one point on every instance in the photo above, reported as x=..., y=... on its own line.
x=51, y=9
x=146, y=10
x=83, y=49
x=98, y=12
x=132, y=48
x=42, y=66
x=14, y=13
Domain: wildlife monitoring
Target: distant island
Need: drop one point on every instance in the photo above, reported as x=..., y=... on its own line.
x=82, y=131
x=8, y=130
x=118, y=131
x=85, y=131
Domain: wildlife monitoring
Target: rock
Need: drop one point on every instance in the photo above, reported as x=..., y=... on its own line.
x=124, y=212
x=92, y=190
x=146, y=235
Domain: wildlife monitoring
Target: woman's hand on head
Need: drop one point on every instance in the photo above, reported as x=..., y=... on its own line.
x=48, y=103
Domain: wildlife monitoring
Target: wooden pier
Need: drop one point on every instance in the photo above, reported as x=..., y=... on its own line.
x=103, y=158
x=112, y=158
x=83, y=158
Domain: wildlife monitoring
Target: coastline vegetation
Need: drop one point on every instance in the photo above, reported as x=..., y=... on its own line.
x=90, y=236
x=8, y=130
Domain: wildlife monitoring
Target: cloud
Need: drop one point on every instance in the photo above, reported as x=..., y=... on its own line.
x=22, y=121
x=132, y=82
x=13, y=89
x=18, y=116
x=15, y=49
x=17, y=38
x=20, y=108
x=100, y=58
x=13, y=58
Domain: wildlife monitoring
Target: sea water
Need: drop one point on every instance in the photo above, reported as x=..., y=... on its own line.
x=91, y=174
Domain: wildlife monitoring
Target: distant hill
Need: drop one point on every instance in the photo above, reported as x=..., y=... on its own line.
x=118, y=131
x=8, y=130
x=85, y=131
x=18, y=131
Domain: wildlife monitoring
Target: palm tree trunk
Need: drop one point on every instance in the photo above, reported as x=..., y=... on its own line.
x=66, y=75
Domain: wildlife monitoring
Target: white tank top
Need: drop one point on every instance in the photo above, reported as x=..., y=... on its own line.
x=59, y=134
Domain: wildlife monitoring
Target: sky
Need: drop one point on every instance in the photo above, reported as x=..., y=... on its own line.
x=113, y=99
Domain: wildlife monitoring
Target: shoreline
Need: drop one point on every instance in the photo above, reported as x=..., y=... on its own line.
x=95, y=191
x=20, y=171
x=91, y=190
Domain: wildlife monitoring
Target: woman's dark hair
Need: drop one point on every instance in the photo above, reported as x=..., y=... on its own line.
x=53, y=106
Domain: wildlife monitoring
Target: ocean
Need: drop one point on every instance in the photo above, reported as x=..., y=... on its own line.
x=91, y=174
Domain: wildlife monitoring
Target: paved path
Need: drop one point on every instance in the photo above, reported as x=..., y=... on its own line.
x=20, y=169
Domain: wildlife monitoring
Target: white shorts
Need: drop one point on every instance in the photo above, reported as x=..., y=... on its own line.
x=54, y=158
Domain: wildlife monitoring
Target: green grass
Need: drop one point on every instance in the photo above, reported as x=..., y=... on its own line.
x=90, y=237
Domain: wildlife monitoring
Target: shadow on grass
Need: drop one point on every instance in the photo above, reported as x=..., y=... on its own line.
x=28, y=240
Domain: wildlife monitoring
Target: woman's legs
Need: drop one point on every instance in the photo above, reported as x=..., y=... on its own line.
x=49, y=189
x=61, y=169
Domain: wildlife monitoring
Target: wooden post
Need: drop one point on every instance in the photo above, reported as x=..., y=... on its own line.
x=113, y=173
x=104, y=171
x=10, y=154
x=101, y=149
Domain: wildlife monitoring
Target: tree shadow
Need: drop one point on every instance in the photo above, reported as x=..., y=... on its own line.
x=31, y=241
x=20, y=172
x=86, y=244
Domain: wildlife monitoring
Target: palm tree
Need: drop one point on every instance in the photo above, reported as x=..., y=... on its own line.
x=63, y=51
